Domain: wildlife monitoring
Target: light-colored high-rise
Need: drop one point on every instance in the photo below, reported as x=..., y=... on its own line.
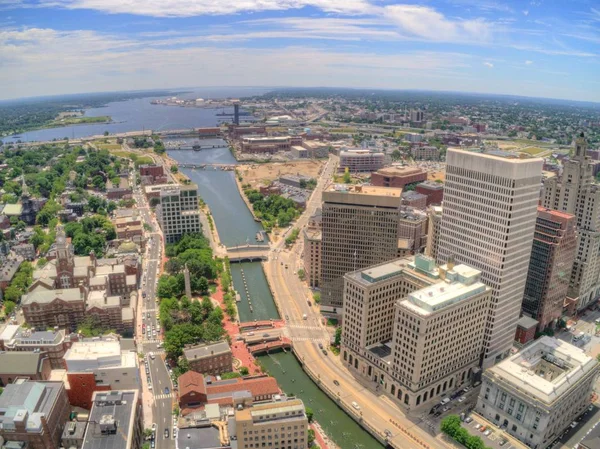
x=575, y=193
x=359, y=229
x=490, y=208
x=434, y=214
x=414, y=329
x=178, y=212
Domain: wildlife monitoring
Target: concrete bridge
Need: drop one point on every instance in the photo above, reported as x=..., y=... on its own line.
x=224, y=167
x=248, y=253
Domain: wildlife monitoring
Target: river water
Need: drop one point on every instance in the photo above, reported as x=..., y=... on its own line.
x=138, y=114
x=236, y=224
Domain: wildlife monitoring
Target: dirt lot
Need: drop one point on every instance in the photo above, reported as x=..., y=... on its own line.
x=255, y=174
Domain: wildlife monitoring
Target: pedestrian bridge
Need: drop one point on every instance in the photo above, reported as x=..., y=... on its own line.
x=248, y=253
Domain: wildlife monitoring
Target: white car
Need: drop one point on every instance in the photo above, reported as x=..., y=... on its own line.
x=461, y=399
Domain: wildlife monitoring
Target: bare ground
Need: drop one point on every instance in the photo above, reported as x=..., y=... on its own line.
x=255, y=174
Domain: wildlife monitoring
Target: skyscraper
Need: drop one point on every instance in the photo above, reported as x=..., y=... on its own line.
x=575, y=193
x=178, y=211
x=359, y=229
x=488, y=221
x=554, y=246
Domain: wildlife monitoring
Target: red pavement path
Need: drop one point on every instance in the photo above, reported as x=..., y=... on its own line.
x=238, y=348
x=320, y=441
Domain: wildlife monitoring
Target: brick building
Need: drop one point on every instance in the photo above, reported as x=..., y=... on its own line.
x=414, y=199
x=195, y=390
x=312, y=250
x=397, y=176
x=152, y=174
x=23, y=365
x=434, y=191
x=34, y=414
x=425, y=153
x=266, y=144
x=210, y=358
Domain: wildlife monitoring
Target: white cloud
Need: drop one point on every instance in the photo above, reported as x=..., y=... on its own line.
x=528, y=62
x=188, y=8
x=525, y=12
x=488, y=64
x=427, y=23
x=103, y=62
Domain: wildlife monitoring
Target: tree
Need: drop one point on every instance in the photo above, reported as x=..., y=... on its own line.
x=338, y=336
x=396, y=155
x=310, y=414
x=450, y=424
x=203, y=285
x=347, y=179
x=12, y=294
x=311, y=437
x=174, y=169
x=244, y=371
x=9, y=307
x=301, y=274
x=317, y=297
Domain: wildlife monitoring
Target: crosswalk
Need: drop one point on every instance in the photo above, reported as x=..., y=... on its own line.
x=149, y=342
x=305, y=326
x=163, y=396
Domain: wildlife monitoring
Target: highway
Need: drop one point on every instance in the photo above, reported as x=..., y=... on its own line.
x=157, y=387
x=376, y=410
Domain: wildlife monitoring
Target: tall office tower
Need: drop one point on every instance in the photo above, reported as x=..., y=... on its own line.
x=416, y=116
x=178, y=212
x=552, y=255
x=236, y=112
x=359, y=229
x=489, y=216
x=575, y=194
x=312, y=250
x=434, y=214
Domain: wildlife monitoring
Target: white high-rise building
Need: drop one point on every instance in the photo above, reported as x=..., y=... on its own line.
x=490, y=209
x=178, y=212
x=576, y=194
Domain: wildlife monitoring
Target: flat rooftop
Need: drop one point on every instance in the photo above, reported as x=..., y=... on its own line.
x=118, y=407
x=203, y=351
x=421, y=266
x=545, y=370
x=365, y=190
x=401, y=171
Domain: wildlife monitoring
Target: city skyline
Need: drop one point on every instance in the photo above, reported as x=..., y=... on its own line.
x=539, y=49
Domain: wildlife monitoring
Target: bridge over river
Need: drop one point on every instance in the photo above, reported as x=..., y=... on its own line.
x=225, y=167
x=248, y=253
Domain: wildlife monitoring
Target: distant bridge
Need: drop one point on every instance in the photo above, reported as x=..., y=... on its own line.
x=225, y=167
x=248, y=253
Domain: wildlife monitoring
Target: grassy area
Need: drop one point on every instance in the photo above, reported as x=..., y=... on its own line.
x=532, y=150
x=108, y=146
x=342, y=130
x=68, y=121
x=133, y=156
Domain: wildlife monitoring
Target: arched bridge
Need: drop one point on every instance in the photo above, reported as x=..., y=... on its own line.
x=248, y=253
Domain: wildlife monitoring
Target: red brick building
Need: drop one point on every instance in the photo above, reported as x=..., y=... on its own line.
x=82, y=387
x=195, y=390
x=397, y=176
x=526, y=328
x=24, y=365
x=434, y=191
x=152, y=174
x=240, y=131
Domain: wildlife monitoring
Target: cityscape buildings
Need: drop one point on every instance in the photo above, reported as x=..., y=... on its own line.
x=537, y=393
x=210, y=358
x=487, y=223
x=397, y=176
x=575, y=193
x=312, y=250
x=178, y=212
x=552, y=256
x=434, y=221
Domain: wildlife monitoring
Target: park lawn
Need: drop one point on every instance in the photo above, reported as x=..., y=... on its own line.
x=68, y=121
x=108, y=146
x=532, y=150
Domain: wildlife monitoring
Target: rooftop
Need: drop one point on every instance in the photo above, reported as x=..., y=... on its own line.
x=115, y=414
x=545, y=370
x=27, y=401
x=365, y=190
x=89, y=355
x=47, y=296
x=199, y=438
x=419, y=265
x=202, y=351
x=21, y=362
x=400, y=171
x=461, y=283
x=527, y=322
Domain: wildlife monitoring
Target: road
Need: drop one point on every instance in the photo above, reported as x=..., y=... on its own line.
x=157, y=400
x=292, y=295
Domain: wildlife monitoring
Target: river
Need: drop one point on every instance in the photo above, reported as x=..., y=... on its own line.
x=235, y=225
x=138, y=114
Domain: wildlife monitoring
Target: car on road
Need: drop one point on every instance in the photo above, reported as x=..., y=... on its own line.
x=355, y=405
x=445, y=401
x=304, y=317
x=166, y=433
x=152, y=444
x=152, y=356
x=320, y=345
x=287, y=317
x=150, y=387
x=166, y=390
x=265, y=335
x=461, y=399
x=445, y=409
x=143, y=294
x=153, y=427
x=573, y=424
x=335, y=382
x=148, y=379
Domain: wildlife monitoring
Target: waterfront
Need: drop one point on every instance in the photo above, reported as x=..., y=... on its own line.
x=342, y=429
x=235, y=224
x=138, y=114
x=263, y=306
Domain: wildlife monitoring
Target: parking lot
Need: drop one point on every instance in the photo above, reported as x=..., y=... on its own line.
x=459, y=402
x=492, y=436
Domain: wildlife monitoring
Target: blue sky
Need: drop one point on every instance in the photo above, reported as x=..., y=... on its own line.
x=543, y=48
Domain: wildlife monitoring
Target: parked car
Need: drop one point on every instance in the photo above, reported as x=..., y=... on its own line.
x=487, y=432
x=573, y=424
x=166, y=390
x=461, y=399
x=468, y=419
x=503, y=442
x=483, y=428
x=335, y=382
x=355, y=405
x=166, y=433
